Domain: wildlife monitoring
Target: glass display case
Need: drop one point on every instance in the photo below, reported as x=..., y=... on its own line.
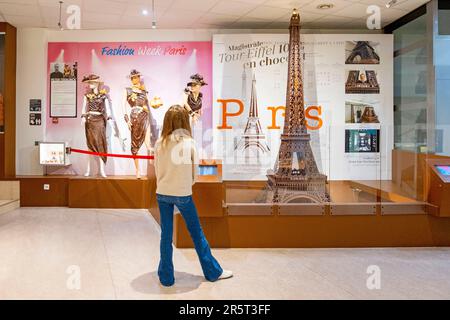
x=370, y=181
x=410, y=86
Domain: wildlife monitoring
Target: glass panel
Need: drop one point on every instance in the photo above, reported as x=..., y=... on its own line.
x=296, y=196
x=355, y=180
x=442, y=64
x=443, y=113
x=444, y=18
x=444, y=22
x=410, y=97
x=410, y=33
x=410, y=86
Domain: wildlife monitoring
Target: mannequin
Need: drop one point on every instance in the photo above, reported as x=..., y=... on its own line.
x=95, y=114
x=192, y=102
x=192, y=98
x=140, y=120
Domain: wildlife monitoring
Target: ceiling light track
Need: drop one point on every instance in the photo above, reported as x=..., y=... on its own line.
x=154, y=15
x=60, y=15
x=391, y=3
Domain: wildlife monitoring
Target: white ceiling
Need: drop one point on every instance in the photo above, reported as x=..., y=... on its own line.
x=202, y=14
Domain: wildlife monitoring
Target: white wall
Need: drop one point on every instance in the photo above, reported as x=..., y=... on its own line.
x=31, y=84
x=32, y=78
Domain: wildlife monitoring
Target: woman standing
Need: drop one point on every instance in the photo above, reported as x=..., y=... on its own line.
x=175, y=166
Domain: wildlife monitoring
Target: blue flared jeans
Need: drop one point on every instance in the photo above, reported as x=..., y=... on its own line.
x=211, y=268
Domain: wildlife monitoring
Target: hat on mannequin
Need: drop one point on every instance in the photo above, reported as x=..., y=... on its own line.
x=197, y=79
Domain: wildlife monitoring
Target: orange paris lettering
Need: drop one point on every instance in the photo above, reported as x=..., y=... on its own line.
x=316, y=118
x=308, y=115
x=274, y=116
x=226, y=113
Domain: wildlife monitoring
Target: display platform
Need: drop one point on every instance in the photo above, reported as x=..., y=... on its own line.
x=115, y=192
x=362, y=214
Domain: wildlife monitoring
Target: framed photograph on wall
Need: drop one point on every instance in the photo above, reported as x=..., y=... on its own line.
x=63, y=90
x=362, y=141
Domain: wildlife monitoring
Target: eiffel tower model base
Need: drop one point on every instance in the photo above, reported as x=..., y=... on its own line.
x=297, y=179
x=312, y=189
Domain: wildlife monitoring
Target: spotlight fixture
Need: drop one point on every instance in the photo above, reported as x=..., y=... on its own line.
x=145, y=12
x=60, y=13
x=391, y=3
x=154, y=15
x=325, y=6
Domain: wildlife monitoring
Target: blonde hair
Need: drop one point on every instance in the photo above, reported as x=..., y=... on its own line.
x=176, y=120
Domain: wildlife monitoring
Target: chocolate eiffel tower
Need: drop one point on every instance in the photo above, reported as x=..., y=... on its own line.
x=253, y=135
x=296, y=177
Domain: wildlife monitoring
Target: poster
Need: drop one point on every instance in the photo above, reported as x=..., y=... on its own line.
x=165, y=67
x=348, y=89
x=63, y=90
x=362, y=140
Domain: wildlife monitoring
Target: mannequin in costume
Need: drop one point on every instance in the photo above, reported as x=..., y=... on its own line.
x=96, y=112
x=139, y=120
x=192, y=98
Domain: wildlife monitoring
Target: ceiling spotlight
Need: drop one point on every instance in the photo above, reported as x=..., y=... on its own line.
x=391, y=3
x=145, y=12
x=325, y=6
x=60, y=13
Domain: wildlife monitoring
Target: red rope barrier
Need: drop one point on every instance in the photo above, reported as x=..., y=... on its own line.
x=110, y=154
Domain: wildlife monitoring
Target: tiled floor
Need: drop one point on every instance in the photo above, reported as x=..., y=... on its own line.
x=113, y=254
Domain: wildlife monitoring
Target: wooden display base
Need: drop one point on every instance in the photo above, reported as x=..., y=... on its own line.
x=352, y=230
x=363, y=214
x=115, y=192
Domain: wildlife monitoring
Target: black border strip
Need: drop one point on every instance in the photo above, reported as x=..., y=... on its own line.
x=444, y=5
